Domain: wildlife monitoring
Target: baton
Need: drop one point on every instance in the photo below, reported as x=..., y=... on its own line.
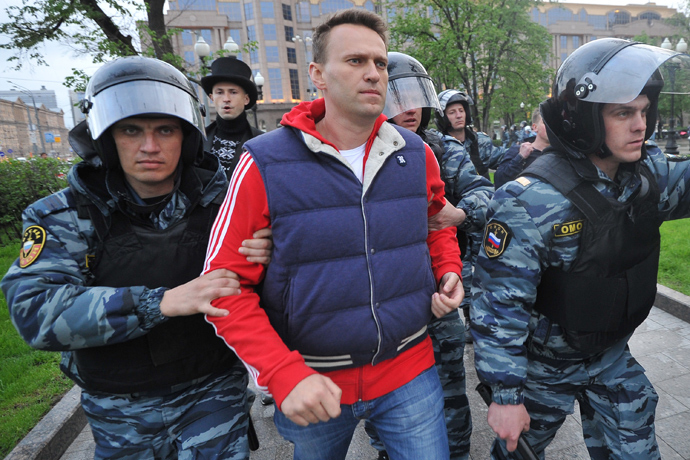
x=523, y=447
x=251, y=436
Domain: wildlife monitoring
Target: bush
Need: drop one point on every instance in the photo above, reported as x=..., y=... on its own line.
x=22, y=183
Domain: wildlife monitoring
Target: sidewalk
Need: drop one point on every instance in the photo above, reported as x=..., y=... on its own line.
x=661, y=344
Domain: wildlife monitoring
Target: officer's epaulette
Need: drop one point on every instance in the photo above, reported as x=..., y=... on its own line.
x=53, y=203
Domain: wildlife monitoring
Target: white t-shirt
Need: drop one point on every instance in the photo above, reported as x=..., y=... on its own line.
x=356, y=159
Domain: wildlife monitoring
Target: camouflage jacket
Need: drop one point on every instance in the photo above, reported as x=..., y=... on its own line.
x=464, y=187
x=51, y=302
x=504, y=290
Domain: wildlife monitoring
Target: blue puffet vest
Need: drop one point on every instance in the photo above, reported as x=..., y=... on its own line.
x=350, y=280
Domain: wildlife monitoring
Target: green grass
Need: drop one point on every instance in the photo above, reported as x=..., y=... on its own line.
x=674, y=266
x=31, y=383
x=30, y=380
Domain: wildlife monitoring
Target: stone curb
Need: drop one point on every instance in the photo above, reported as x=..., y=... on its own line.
x=673, y=302
x=60, y=427
x=51, y=437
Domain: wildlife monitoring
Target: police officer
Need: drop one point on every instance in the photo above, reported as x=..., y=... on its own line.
x=454, y=121
x=230, y=88
x=108, y=273
x=410, y=97
x=570, y=257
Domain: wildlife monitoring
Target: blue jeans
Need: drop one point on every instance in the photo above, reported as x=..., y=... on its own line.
x=409, y=421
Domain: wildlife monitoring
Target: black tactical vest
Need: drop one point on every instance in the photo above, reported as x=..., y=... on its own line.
x=176, y=351
x=610, y=288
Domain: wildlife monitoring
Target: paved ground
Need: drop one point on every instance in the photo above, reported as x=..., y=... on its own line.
x=661, y=344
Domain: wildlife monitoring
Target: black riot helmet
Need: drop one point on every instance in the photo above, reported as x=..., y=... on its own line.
x=448, y=97
x=604, y=71
x=141, y=87
x=409, y=87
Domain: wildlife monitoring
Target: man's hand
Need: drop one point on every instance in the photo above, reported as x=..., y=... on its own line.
x=196, y=296
x=449, y=296
x=525, y=149
x=258, y=249
x=448, y=216
x=509, y=422
x=315, y=399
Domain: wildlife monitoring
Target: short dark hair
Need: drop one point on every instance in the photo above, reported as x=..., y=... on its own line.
x=356, y=16
x=536, y=116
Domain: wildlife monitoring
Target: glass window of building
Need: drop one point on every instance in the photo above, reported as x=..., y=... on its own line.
x=206, y=5
x=187, y=37
x=248, y=11
x=369, y=5
x=291, y=55
x=619, y=17
x=251, y=33
x=287, y=13
x=189, y=57
x=564, y=42
x=231, y=9
x=254, y=56
x=275, y=80
x=289, y=33
x=272, y=54
x=576, y=42
x=267, y=10
x=650, y=16
x=294, y=84
x=270, y=32
x=315, y=11
x=331, y=6
x=559, y=14
x=208, y=36
x=302, y=10
x=564, y=56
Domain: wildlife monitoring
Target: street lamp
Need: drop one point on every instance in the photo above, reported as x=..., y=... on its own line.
x=231, y=46
x=674, y=64
x=259, y=82
x=524, y=113
x=38, y=122
x=203, y=50
x=304, y=42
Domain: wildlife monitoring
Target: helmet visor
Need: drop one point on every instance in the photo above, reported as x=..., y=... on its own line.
x=134, y=98
x=410, y=93
x=623, y=77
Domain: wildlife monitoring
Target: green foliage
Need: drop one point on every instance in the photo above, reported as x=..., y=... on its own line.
x=22, y=183
x=30, y=380
x=491, y=49
x=103, y=29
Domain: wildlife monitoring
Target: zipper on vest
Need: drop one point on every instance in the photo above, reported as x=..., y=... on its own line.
x=371, y=282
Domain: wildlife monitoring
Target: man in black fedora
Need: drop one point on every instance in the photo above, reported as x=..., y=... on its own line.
x=230, y=88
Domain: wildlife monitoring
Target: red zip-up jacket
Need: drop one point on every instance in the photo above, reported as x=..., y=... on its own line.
x=247, y=330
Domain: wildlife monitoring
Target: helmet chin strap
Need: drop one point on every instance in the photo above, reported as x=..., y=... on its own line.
x=605, y=152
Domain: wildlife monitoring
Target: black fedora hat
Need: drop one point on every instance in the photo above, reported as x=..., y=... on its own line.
x=231, y=69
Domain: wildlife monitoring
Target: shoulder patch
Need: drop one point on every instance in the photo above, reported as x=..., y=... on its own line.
x=568, y=228
x=33, y=241
x=522, y=180
x=497, y=236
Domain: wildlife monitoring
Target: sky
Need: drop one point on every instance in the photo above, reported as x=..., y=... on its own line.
x=61, y=59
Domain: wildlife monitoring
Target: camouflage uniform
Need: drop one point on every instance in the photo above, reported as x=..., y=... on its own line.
x=524, y=356
x=53, y=307
x=471, y=192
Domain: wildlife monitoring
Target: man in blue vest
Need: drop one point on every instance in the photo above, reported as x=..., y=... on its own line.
x=108, y=273
x=339, y=332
